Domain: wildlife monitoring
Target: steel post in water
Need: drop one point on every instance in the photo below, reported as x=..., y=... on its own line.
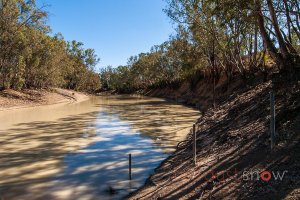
x=272, y=119
x=130, y=176
x=194, y=144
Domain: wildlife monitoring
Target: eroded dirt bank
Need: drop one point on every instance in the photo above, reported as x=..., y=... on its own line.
x=11, y=99
x=233, y=146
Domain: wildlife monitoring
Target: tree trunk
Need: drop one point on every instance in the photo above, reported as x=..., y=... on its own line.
x=279, y=36
x=255, y=44
x=266, y=38
x=289, y=22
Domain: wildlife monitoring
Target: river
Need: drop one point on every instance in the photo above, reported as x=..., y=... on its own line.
x=80, y=150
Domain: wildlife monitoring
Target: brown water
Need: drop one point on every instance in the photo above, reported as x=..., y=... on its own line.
x=78, y=151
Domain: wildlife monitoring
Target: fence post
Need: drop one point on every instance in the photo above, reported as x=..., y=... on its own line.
x=272, y=119
x=130, y=176
x=194, y=144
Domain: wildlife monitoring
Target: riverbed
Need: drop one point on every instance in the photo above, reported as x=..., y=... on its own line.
x=80, y=150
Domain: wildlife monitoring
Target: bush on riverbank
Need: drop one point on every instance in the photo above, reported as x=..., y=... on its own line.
x=213, y=40
x=31, y=58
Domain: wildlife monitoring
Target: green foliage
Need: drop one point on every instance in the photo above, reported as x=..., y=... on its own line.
x=19, y=80
x=215, y=37
x=30, y=58
x=165, y=65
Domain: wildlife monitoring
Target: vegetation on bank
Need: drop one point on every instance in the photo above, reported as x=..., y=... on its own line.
x=214, y=38
x=30, y=57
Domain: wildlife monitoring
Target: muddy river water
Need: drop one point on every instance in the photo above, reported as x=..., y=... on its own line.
x=80, y=151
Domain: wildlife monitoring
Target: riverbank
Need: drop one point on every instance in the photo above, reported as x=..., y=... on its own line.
x=11, y=99
x=233, y=141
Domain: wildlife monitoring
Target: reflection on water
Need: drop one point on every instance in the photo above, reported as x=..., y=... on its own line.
x=81, y=150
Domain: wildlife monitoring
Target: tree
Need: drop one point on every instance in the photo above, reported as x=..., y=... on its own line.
x=30, y=57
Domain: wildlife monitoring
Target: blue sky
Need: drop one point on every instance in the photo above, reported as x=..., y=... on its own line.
x=116, y=29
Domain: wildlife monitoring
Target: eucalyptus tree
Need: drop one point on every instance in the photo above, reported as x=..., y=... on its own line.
x=241, y=30
x=30, y=57
x=16, y=18
x=81, y=70
x=278, y=21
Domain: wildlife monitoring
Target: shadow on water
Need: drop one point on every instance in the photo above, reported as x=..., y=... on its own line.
x=82, y=152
